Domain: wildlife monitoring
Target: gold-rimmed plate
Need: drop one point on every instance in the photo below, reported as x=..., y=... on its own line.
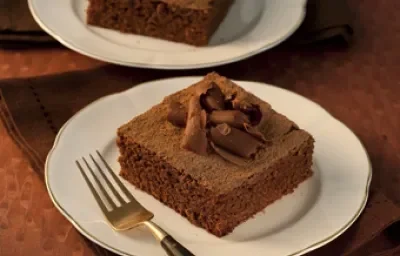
x=317, y=212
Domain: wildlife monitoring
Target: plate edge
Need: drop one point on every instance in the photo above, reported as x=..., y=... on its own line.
x=71, y=46
x=298, y=253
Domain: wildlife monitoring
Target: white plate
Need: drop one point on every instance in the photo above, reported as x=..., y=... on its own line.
x=316, y=213
x=251, y=27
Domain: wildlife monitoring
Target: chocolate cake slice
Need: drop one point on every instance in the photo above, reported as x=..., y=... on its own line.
x=185, y=21
x=214, y=153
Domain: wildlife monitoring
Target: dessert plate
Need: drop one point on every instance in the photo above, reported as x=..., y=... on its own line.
x=251, y=26
x=323, y=207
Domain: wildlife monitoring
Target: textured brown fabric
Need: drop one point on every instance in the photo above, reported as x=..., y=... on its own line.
x=18, y=26
x=358, y=85
x=325, y=19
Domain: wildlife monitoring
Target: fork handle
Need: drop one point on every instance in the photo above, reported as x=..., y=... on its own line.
x=174, y=248
x=168, y=243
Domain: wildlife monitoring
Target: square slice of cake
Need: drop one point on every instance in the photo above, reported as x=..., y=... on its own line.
x=186, y=21
x=214, y=153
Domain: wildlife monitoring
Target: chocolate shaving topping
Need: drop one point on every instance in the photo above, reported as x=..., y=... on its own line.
x=224, y=129
x=195, y=137
x=235, y=140
x=229, y=156
x=211, y=97
x=228, y=124
x=230, y=97
x=252, y=110
x=237, y=104
x=234, y=118
x=177, y=114
x=203, y=119
x=229, y=101
x=254, y=132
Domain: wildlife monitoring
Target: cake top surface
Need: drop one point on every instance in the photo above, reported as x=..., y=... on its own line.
x=152, y=130
x=190, y=4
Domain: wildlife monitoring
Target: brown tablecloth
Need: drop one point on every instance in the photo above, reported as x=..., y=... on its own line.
x=37, y=113
x=358, y=85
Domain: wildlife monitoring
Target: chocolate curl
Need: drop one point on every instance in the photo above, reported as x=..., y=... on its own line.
x=203, y=118
x=252, y=110
x=177, y=114
x=237, y=104
x=195, y=137
x=230, y=97
x=211, y=97
x=228, y=156
x=234, y=140
x=254, y=132
x=234, y=118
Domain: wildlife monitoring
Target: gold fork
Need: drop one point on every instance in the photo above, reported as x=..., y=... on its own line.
x=130, y=214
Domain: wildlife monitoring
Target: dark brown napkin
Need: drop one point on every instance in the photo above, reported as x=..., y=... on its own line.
x=325, y=19
x=34, y=109
x=17, y=26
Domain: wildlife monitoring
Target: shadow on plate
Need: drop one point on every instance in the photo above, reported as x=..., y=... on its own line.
x=140, y=234
x=241, y=18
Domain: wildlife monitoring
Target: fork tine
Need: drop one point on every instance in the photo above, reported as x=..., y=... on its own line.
x=92, y=189
x=110, y=201
x=121, y=186
x=114, y=191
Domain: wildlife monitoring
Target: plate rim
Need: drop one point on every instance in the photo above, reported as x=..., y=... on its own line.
x=77, y=49
x=93, y=238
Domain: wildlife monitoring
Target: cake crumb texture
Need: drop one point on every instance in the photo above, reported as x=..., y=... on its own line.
x=185, y=21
